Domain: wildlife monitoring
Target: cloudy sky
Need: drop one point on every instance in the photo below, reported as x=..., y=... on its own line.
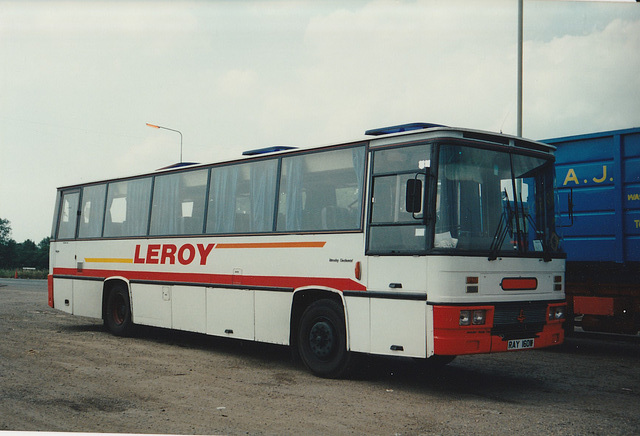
x=79, y=80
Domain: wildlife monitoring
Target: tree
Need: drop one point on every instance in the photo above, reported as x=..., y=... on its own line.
x=27, y=253
x=7, y=245
x=42, y=261
x=5, y=231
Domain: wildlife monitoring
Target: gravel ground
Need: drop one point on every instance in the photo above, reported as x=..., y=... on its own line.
x=64, y=373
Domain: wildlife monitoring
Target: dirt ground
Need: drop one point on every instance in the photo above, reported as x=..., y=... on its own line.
x=64, y=373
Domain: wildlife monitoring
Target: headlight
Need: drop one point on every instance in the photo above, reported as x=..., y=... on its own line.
x=473, y=317
x=465, y=317
x=479, y=317
x=556, y=313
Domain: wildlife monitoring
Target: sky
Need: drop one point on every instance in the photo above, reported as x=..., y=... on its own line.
x=80, y=80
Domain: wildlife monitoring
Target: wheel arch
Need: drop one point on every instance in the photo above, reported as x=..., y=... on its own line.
x=108, y=284
x=306, y=296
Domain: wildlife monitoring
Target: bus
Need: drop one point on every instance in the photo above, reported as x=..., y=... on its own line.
x=417, y=240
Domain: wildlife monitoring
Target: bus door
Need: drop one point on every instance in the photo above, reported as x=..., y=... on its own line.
x=63, y=250
x=396, y=273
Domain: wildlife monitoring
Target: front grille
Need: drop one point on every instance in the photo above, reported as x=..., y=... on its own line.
x=519, y=320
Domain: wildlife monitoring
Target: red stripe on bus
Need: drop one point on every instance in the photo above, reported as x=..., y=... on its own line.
x=339, y=283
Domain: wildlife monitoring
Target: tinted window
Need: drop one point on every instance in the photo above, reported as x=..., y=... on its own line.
x=92, y=211
x=178, y=203
x=68, y=215
x=321, y=191
x=128, y=208
x=242, y=198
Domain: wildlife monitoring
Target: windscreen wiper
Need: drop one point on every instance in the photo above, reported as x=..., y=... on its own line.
x=524, y=243
x=519, y=235
x=504, y=228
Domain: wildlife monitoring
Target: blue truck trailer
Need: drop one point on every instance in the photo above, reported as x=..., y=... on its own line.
x=598, y=177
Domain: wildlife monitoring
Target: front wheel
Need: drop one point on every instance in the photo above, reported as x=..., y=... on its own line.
x=117, y=316
x=322, y=340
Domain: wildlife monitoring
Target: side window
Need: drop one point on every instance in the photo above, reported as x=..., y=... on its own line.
x=56, y=215
x=394, y=229
x=321, y=191
x=178, y=203
x=92, y=211
x=242, y=198
x=68, y=215
x=389, y=193
x=127, y=209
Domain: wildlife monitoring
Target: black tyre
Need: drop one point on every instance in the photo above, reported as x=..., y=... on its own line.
x=117, y=317
x=322, y=342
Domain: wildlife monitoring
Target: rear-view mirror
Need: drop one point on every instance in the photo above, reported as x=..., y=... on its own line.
x=414, y=196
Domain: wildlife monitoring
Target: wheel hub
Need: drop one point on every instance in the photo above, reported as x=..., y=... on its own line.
x=321, y=339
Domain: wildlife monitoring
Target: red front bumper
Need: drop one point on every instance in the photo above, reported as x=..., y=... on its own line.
x=450, y=338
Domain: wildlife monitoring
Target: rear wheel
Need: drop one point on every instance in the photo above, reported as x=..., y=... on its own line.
x=322, y=340
x=117, y=316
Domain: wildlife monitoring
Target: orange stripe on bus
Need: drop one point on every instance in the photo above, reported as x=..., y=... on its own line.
x=319, y=244
x=107, y=260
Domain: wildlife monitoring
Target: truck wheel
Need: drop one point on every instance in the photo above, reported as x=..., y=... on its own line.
x=117, y=316
x=322, y=340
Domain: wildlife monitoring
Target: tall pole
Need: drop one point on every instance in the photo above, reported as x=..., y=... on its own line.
x=519, y=128
x=173, y=130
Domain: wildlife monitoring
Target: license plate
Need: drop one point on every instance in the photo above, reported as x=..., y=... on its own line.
x=520, y=344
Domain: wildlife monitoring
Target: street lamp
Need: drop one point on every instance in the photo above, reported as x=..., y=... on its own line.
x=173, y=130
x=519, y=97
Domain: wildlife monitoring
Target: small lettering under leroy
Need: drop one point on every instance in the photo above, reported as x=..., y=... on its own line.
x=170, y=254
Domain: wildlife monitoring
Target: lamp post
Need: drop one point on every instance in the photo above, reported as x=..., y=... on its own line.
x=519, y=98
x=173, y=130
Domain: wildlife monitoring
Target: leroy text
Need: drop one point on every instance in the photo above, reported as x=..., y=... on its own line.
x=170, y=253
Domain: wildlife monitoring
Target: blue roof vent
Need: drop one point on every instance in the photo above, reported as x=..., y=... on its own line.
x=401, y=128
x=271, y=149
